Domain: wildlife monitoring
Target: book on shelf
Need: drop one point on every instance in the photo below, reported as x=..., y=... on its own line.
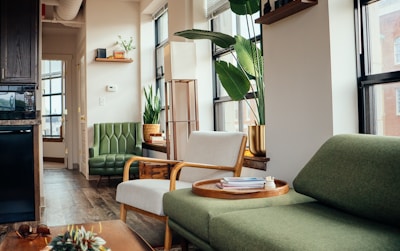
x=157, y=140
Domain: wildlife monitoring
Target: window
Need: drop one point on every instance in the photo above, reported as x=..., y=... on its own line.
x=397, y=50
x=161, y=29
x=378, y=66
x=232, y=115
x=52, y=97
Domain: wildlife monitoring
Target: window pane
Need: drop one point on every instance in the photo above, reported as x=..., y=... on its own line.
x=225, y=23
x=46, y=105
x=46, y=86
x=384, y=29
x=56, y=124
x=227, y=116
x=56, y=104
x=46, y=127
x=160, y=61
x=386, y=107
x=56, y=67
x=253, y=29
x=56, y=85
x=45, y=67
x=162, y=28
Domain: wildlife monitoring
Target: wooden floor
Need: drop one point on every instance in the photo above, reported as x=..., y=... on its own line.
x=71, y=199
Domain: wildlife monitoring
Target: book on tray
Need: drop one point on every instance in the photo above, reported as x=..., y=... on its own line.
x=241, y=183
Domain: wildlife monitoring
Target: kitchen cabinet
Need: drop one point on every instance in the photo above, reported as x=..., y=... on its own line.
x=19, y=41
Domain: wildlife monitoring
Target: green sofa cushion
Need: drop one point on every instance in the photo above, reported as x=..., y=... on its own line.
x=307, y=226
x=194, y=212
x=356, y=173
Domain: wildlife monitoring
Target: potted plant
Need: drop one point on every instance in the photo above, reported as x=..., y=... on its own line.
x=127, y=45
x=236, y=79
x=151, y=114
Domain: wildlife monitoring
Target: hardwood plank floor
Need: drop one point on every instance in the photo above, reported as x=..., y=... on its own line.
x=71, y=199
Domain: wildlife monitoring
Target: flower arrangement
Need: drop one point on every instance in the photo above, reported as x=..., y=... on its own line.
x=77, y=239
x=126, y=44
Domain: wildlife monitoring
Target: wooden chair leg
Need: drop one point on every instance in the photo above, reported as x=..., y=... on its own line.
x=167, y=237
x=122, y=213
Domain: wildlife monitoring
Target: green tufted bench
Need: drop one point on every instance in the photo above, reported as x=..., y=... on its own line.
x=113, y=144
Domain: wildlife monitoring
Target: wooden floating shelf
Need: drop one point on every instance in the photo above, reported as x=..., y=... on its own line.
x=285, y=11
x=122, y=60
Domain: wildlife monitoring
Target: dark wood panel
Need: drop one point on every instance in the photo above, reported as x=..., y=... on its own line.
x=19, y=41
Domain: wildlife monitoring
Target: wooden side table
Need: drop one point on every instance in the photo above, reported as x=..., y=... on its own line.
x=256, y=162
x=151, y=170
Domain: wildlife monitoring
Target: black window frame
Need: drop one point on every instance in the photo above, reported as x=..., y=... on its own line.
x=365, y=79
x=217, y=97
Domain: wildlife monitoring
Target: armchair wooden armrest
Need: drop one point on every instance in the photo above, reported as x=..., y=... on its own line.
x=180, y=165
x=139, y=158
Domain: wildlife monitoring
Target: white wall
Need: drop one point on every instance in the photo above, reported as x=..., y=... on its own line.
x=105, y=20
x=310, y=83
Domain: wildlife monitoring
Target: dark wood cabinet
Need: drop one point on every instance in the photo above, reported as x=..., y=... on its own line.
x=19, y=41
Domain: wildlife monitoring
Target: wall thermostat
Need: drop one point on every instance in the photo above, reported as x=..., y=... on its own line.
x=111, y=88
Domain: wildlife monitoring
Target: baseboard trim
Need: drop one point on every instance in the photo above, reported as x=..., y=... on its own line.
x=53, y=159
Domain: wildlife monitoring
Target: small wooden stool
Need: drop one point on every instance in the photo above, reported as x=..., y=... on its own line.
x=151, y=170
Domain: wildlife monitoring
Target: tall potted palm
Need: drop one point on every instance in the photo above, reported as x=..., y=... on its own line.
x=151, y=114
x=237, y=79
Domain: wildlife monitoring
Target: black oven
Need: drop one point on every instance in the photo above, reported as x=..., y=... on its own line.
x=17, y=102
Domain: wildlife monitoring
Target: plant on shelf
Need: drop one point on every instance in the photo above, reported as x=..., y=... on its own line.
x=127, y=45
x=151, y=114
x=236, y=79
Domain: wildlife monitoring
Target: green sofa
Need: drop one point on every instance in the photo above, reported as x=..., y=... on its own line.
x=113, y=144
x=345, y=198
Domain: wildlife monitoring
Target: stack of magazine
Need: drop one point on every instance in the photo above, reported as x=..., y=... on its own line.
x=241, y=183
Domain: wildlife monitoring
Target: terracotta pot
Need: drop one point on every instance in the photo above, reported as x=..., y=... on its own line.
x=256, y=137
x=150, y=129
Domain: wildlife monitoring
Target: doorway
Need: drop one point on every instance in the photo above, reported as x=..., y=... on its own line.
x=55, y=122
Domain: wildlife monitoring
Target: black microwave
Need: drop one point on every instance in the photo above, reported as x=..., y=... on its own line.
x=17, y=102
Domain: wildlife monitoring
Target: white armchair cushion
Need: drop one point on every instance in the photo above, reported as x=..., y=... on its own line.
x=214, y=148
x=146, y=194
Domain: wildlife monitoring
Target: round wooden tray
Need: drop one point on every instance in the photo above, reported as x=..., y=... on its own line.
x=208, y=188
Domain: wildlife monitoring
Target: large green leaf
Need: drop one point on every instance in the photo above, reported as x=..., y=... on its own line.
x=220, y=39
x=249, y=56
x=234, y=81
x=245, y=7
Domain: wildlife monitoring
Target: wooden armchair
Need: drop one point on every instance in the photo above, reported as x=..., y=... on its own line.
x=208, y=155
